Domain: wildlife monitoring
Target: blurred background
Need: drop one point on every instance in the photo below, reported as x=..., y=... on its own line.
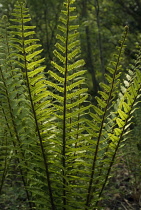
x=101, y=24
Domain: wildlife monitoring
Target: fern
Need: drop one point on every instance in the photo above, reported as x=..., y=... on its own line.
x=11, y=101
x=34, y=93
x=122, y=118
x=37, y=94
x=101, y=125
x=63, y=146
x=68, y=97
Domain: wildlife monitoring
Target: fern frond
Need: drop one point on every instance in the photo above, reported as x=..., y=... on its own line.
x=100, y=118
x=11, y=105
x=126, y=107
x=128, y=98
x=28, y=57
x=69, y=95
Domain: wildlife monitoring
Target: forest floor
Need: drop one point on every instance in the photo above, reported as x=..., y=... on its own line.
x=122, y=193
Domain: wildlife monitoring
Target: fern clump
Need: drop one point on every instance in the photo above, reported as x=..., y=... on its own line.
x=63, y=146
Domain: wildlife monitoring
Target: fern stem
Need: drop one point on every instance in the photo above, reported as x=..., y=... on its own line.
x=4, y=174
x=31, y=204
x=35, y=117
x=64, y=109
x=102, y=125
x=116, y=149
x=5, y=164
x=3, y=177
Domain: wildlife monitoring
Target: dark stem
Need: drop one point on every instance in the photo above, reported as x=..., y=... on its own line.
x=102, y=125
x=64, y=110
x=35, y=117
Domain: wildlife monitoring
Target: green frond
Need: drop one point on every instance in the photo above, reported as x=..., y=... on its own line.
x=102, y=110
x=14, y=106
x=122, y=117
x=28, y=57
x=69, y=96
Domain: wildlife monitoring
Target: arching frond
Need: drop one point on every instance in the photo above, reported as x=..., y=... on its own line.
x=102, y=119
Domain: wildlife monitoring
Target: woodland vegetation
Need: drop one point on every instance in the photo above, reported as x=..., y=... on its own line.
x=70, y=82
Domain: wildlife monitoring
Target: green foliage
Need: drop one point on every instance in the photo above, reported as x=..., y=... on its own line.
x=63, y=146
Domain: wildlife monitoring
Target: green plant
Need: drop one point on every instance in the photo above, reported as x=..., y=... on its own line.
x=131, y=153
x=63, y=146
